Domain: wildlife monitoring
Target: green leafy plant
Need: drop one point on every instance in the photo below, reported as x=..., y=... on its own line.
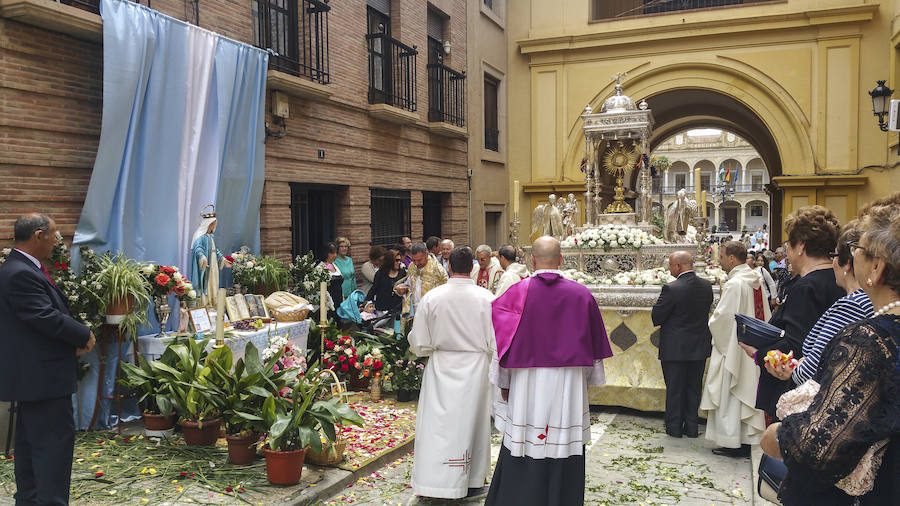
x=294, y=422
x=151, y=388
x=195, y=393
x=121, y=279
x=271, y=274
x=306, y=275
x=246, y=388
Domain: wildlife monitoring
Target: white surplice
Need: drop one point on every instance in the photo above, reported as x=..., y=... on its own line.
x=547, y=415
x=453, y=328
x=729, y=395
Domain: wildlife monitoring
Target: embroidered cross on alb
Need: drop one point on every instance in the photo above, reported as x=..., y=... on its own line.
x=544, y=435
x=464, y=462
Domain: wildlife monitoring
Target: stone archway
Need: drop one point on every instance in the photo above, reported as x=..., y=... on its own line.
x=715, y=95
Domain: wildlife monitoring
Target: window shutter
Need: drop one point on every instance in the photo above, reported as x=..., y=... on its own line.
x=382, y=6
x=435, y=25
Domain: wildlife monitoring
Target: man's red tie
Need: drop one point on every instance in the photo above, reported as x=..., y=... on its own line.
x=47, y=274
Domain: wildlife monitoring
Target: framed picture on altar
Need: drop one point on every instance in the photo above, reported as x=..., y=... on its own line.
x=257, y=306
x=200, y=320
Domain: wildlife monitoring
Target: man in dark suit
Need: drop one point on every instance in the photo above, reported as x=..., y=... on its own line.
x=39, y=346
x=684, y=342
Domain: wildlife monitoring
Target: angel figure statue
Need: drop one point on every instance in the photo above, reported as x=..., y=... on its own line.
x=678, y=216
x=570, y=215
x=547, y=220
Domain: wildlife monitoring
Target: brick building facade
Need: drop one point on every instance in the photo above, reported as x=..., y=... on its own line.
x=338, y=152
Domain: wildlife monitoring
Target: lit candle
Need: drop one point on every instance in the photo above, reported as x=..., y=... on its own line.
x=703, y=205
x=516, y=197
x=323, y=297
x=220, y=318
x=697, y=184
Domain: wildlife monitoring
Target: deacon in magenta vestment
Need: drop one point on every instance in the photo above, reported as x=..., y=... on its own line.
x=551, y=342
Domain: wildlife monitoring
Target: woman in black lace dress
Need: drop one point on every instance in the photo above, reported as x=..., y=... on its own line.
x=858, y=404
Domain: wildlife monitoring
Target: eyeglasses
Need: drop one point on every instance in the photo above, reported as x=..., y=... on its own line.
x=397, y=260
x=854, y=245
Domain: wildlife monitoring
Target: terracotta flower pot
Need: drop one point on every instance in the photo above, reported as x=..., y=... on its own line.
x=241, y=449
x=196, y=434
x=156, y=421
x=121, y=306
x=284, y=468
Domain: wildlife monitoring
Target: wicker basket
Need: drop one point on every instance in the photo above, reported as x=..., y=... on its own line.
x=289, y=315
x=331, y=454
x=287, y=307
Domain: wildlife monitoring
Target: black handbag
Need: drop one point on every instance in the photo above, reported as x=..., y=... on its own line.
x=756, y=333
x=771, y=473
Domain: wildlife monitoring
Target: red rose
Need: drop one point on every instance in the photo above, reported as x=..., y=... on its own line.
x=329, y=345
x=179, y=290
x=342, y=357
x=377, y=364
x=166, y=269
x=229, y=489
x=352, y=360
x=345, y=367
x=162, y=279
x=229, y=258
x=60, y=266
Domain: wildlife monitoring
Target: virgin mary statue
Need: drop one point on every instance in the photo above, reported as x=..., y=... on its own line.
x=206, y=260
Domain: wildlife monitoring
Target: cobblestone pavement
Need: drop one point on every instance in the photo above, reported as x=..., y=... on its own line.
x=631, y=461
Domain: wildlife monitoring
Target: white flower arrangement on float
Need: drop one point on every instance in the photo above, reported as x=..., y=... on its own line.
x=609, y=237
x=716, y=272
x=648, y=277
x=690, y=236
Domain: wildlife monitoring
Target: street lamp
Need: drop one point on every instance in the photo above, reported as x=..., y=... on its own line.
x=725, y=192
x=881, y=103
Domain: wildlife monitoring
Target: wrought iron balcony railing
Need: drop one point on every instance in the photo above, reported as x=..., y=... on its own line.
x=492, y=139
x=392, y=72
x=446, y=95
x=296, y=34
x=739, y=188
x=615, y=9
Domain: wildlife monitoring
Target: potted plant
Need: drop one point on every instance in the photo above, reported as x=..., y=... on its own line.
x=152, y=392
x=196, y=396
x=271, y=275
x=370, y=369
x=243, y=268
x=407, y=377
x=245, y=389
x=294, y=423
x=340, y=356
x=126, y=292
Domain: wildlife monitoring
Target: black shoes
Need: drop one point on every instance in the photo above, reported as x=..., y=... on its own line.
x=673, y=433
x=743, y=451
x=477, y=492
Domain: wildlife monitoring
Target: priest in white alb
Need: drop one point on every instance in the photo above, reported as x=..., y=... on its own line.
x=729, y=396
x=513, y=271
x=453, y=329
x=551, y=343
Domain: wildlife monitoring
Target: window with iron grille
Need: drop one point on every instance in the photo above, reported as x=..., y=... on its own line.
x=491, y=122
x=390, y=216
x=392, y=64
x=296, y=33
x=756, y=210
x=432, y=215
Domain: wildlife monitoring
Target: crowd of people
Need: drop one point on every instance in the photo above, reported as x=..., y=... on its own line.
x=522, y=346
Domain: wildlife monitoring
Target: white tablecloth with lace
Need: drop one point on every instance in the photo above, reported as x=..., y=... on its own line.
x=152, y=347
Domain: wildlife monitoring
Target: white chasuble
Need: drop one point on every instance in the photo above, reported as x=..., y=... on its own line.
x=453, y=328
x=729, y=395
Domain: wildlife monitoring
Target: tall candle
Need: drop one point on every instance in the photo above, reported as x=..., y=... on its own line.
x=516, y=197
x=697, y=185
x=220, y=318
x=323, y=297
x=703, y=204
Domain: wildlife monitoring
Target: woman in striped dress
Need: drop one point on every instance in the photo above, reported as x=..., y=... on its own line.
x=855, y=306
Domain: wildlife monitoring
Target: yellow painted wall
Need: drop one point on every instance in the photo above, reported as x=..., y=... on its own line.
x=801, y=66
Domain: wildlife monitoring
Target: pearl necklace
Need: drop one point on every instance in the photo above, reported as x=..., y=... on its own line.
x=887, y=308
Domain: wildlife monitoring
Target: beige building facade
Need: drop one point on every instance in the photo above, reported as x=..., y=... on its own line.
x=789, y=77
x=489, y=208
x=743, y=204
